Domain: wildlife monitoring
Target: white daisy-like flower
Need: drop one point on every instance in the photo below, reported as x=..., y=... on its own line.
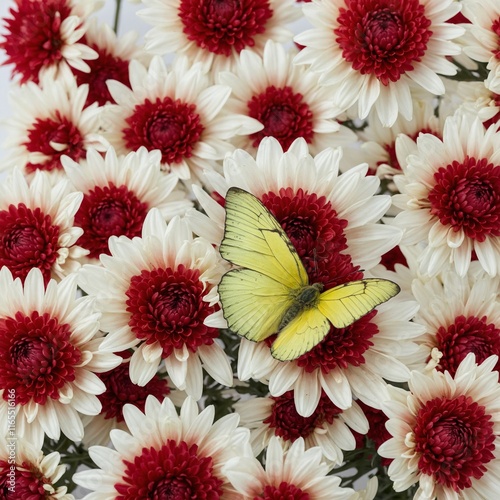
x=215, y=33
x=328, y=427
x=183, y=454
x=295, y=473
x=373, y=53
x=446, y=433
x=461, y=315
x=173, y=276
x=47, y=35
x=50, y=352
x=450, y=199
x=37, y=226
x=176, y=111
x=114, y=56
x=483, y=40
x=50, y=120
x=285, y=98
x=118, y=193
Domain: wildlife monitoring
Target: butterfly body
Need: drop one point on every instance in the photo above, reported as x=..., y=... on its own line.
x=270, y=293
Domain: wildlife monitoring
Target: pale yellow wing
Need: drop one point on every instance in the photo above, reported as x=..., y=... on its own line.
x=304, y=332
x=254, y=239
x=253, y=304
x=346, y=303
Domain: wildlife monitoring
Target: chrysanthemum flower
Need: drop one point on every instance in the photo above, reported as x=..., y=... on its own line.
x=114, y=56
x=482, y=42
x=297, y=473
x=446, y=433
x=50, y=120
x=461, y=315
x=155, y=293
x=37, y=226
x=176, y=111
x=372, y=53
x=49, y=355
x=215, y=33
x=167, y=454
x=43, y=34
x=25, y=472
x=285, y=98
x=118, y=193
x=328, y=427
x=450, y=197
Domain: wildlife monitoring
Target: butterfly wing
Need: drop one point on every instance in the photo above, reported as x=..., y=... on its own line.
x=346, y=303
x=253, y=304
x=254, y=239
x=305, y=331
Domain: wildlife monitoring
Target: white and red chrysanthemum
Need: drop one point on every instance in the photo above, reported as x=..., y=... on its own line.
x=46, y=34
x=166, y=454
x=177, y=111
x=446, y=433
x=50, y=354
x=37, y=226
x=450, y=198
x=155, y=294
x=215, y=33
x=50, y=120
x=25, y=472
x=372, y=53
x=118, y=192
x=285, y=98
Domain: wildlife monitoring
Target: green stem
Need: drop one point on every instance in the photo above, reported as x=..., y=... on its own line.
x=117, y=15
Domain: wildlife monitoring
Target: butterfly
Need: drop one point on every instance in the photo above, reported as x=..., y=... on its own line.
x=270, y=292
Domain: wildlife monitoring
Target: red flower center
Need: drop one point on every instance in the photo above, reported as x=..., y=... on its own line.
x=221, y=26
x=36, y=357
x=383, y=37
x=495, y=27
x=455, y=440
x=467, y=335
x=174, y=471
x=33, y=40
x=289, y=425
x=393, y=257
x=284, y=115
x=54, y=137
x=467, y=197
x=29, y=481
x=167, y=306
x=171, y=126
x=120, y=390
x=105, y=67
x=285, y=491
x=107, y=211
x=28, y=239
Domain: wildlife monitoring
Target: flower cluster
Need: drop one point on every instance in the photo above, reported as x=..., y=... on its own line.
x=368, y=129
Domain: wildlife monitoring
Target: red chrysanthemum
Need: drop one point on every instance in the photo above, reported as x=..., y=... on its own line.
x=28, y=239
x=221, y=27
x=171, y=126
x=466, y=197
x=383, y=37
x=289, y=425
x=285, y=491
x=29, y=481
x=495, y=27
x=284, y=115
x=33, y=40
x=467, y=335
x=54, y=137
x=166, y=306
x=37, y=358
x=108, y=211
x=176, y=470
x=454, y=439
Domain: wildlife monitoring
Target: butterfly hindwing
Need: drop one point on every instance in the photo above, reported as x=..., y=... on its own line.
x=345, y=304
x=304, y=332
x=253, y=239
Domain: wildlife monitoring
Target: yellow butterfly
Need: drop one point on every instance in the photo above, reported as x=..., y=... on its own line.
x=270, y=293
